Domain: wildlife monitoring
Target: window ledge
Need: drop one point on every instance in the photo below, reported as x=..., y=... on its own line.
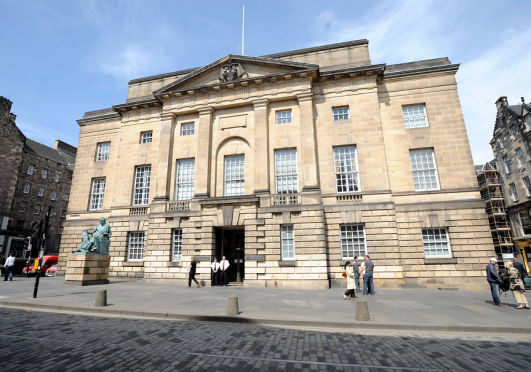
x=287, y=263
x=133, y=264
x=440, y=261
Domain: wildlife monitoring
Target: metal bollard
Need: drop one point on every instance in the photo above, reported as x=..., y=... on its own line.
x=232, y=306
x=362, y=311
x=101, y=299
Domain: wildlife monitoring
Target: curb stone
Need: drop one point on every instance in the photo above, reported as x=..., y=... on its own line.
x=273, y=322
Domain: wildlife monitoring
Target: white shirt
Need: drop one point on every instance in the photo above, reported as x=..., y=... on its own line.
x=10, y=261
x=224, y=264
x=215, y=266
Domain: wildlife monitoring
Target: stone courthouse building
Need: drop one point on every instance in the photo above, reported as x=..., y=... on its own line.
x=289, y=164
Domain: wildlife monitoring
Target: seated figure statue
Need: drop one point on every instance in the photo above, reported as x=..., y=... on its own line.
x=100, y=240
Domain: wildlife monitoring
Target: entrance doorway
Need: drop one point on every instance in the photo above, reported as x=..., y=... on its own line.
x=231, y=244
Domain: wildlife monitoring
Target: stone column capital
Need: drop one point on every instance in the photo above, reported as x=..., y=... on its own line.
x=262, y=102
x=302, y=97
x=205, y=110
x=167, y=116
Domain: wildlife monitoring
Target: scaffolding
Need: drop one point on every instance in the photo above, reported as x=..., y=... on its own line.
x=490, y=187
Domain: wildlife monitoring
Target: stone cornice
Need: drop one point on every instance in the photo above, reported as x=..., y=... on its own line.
x=135, y=105
x=318, y=48
x=424, y=70
x=352, y=72
x=97, y=118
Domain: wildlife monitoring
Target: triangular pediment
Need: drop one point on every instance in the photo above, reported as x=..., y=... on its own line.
x=232, y=69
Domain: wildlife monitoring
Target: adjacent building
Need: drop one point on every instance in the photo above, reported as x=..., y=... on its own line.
x=511, y=148
x=34, y=176
x=288, y=164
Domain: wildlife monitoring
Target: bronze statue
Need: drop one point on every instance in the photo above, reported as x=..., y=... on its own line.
x=99, y=242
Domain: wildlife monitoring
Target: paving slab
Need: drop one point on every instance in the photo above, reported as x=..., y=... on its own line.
x=420, y=309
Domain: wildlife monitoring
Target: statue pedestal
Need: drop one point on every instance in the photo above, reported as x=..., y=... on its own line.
x=87, y=269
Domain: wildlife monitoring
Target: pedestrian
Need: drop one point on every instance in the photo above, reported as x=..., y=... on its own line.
x=356, y=273
x=368, y=271
x=493, y=278
x=516, y=285
x=223, y=267
x=215, y=272
x=351, y=282
x=8, y=266
x=191, y=273
x=520, y=267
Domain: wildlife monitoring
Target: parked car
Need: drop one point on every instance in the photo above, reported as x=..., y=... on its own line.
x=47, y=262
x=52, y=271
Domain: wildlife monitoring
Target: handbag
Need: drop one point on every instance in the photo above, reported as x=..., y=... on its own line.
x=344, y=275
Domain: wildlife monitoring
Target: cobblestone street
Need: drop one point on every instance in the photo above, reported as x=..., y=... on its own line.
x=63, y=342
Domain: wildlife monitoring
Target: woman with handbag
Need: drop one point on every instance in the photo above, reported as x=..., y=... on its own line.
x=516, y=286
x=351, y=281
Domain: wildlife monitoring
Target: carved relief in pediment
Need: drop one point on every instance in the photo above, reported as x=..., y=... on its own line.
x=232, y=72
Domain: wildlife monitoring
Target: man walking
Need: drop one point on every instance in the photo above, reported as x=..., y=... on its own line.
x=215, y=272
x=8, y=266
x=223, y=266
x=520, y=267
x=191, y=273
x=368, y=283
x=493, y=278
x=356, y=274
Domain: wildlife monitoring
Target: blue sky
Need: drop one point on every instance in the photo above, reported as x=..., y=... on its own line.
x=62, y=58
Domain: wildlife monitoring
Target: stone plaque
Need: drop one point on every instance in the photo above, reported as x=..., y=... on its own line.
x=202, y=258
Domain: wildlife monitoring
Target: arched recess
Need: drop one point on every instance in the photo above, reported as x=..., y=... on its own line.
x=233, y=146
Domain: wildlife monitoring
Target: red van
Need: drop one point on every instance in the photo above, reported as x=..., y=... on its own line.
x=47, y=262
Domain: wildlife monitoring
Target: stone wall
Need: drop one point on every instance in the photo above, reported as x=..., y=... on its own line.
x=12, y=144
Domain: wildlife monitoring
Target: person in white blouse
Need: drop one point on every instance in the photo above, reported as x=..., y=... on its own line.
x=8, y=266
x=223, y=267
x=215, y=272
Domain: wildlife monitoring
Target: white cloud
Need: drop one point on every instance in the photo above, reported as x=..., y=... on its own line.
x=500, y=70
x=415, y=30
x=131, y=61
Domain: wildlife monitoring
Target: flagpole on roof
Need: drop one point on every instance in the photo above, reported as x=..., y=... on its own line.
x=243, y=27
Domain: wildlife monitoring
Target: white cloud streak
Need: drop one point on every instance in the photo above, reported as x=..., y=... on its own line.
x=415, y=30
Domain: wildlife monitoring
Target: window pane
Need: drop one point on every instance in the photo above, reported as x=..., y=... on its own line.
x=424, y=170
x=98, y=190
x=188, y=129
x=346, y=169
x=414, y=116
x=287, y=241
x=340, y=113
x=185, y=179
x=103, y=151
x=177, y=244
x=283, y=117
x=142, y=182
x=352, y=241
x=234, y=175
x=147, y=137
x=286, y=178
x=436, y=242
x=136, y=246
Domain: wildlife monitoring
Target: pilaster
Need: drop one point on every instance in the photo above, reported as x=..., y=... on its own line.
x=162, y=188
x=261, y=146
x=310, y=179
x=204, y=150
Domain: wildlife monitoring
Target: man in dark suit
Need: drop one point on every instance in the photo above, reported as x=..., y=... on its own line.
x=191, y=273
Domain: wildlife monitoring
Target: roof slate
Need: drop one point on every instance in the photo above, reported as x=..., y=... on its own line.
x=49, y=153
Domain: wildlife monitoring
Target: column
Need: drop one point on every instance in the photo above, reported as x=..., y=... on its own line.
x=162, y=184
x=261, y=147
x=308, y=142
x=204, y=152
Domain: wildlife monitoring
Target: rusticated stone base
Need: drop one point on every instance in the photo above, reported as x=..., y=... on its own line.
x=87, y=269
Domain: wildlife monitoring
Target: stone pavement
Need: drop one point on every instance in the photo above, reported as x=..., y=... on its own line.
x=392, y=309
x=36, y=340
